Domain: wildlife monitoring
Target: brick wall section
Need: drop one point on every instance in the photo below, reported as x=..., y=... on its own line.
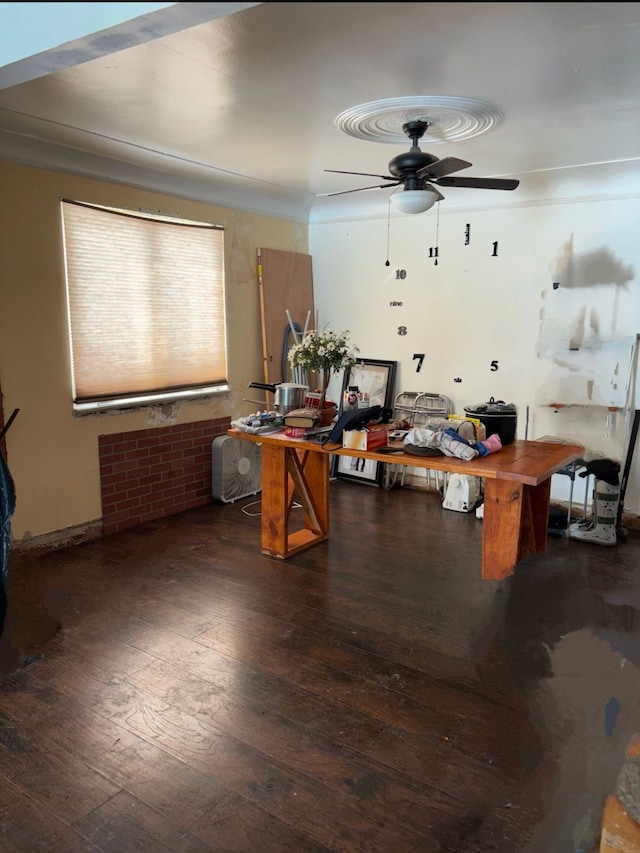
x=150, y=473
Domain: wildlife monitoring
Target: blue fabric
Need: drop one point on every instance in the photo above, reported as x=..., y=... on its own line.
x=611, y=711
x=7, y=507
x=454, y=434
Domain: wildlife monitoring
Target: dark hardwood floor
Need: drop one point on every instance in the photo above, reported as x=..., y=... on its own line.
x=169, y=688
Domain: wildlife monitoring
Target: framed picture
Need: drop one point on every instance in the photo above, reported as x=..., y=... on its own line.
x=377, y=378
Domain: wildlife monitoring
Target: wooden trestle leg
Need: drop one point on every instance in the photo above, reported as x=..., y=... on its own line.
x=288, y=475
x=515, y=523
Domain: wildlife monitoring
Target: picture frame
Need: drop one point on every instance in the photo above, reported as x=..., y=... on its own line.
x=376, y=376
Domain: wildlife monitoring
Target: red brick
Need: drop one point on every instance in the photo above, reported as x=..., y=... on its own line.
x=151, y=473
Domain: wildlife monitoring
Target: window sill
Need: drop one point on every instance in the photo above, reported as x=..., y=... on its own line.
x=148, y=401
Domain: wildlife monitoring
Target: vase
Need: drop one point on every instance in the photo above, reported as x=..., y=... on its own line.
x=327, y=414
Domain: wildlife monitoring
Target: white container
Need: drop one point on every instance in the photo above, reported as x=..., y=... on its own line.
x=463, y=493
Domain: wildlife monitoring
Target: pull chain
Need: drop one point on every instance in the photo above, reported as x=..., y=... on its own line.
x=387, y=263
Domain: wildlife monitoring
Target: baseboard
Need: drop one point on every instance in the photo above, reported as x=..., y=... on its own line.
x=57, y=539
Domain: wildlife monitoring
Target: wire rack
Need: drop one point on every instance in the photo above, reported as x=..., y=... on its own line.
x=416, y=407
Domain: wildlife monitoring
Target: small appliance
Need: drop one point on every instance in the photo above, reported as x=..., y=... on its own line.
x=236, y=468
x=462, y=493
x=498, y=417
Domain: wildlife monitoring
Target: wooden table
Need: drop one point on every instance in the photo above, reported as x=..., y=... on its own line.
x=517, y=486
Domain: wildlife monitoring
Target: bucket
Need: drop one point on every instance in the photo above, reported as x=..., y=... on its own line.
x=498, y=417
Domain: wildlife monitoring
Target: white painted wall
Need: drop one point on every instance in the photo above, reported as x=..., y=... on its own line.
x=475, y=307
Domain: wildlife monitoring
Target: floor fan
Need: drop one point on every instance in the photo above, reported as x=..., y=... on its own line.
x=236, y=468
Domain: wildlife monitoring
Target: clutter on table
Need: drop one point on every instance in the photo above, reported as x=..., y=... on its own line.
x=259, y=423
x=454, y=435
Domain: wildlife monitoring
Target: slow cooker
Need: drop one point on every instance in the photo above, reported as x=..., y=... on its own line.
x=498, y=417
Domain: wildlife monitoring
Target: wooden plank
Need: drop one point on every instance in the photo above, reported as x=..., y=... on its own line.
x=620, y=833
x=56, y=780
x=175, y=790
x=633, y=747
x=527, y=462
x=316, y=475
x=26, y=824
x=533, y=462
x=275, y=500
x=501, y=526
x=515, y=525
x=138, y=826
x=285, y=280
x=295, y=466
x=535, y=519
x=287, y=473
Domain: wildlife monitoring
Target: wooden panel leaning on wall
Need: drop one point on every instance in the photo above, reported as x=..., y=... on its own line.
x=285, y=280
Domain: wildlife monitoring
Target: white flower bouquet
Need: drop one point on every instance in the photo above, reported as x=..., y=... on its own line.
x=324, y=353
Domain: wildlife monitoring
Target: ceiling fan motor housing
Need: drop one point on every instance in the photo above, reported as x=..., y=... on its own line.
x=406, y=165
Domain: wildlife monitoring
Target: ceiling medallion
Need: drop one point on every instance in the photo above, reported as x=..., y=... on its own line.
x=450, y=119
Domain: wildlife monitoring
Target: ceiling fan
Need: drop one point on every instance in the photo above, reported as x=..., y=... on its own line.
x=418, y=171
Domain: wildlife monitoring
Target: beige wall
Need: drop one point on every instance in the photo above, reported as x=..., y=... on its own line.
x=52, y=454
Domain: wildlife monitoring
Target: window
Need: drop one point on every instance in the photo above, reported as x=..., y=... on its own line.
x=146, y=307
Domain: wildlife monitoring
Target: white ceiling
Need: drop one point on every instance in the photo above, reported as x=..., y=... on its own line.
x=236, y=103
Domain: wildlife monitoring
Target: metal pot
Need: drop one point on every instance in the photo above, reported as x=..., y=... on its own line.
x=288, y=395
x=498, y=417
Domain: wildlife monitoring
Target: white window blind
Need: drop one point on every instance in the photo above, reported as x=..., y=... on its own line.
x=146, y=305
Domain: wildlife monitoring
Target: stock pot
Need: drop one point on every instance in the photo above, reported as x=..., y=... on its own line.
x=498, y=417
x=288, y=395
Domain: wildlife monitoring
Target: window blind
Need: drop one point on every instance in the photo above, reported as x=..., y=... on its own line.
x=146, y=303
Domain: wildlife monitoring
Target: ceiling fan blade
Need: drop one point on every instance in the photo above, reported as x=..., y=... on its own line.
x=364, y=174
x=479, y=183
x=442, y=167
x=360, y=189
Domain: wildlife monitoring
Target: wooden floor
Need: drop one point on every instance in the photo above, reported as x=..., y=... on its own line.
x=169, y=688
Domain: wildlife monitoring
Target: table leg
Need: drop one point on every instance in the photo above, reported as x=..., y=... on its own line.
x=515, y=524
x=287, y=474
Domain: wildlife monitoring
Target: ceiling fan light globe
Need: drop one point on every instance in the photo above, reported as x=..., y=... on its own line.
x=414, y=201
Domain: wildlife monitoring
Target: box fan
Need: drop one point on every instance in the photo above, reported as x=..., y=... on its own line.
x=236, y=468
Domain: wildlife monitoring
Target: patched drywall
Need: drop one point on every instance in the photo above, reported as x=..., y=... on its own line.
x=587, y=344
